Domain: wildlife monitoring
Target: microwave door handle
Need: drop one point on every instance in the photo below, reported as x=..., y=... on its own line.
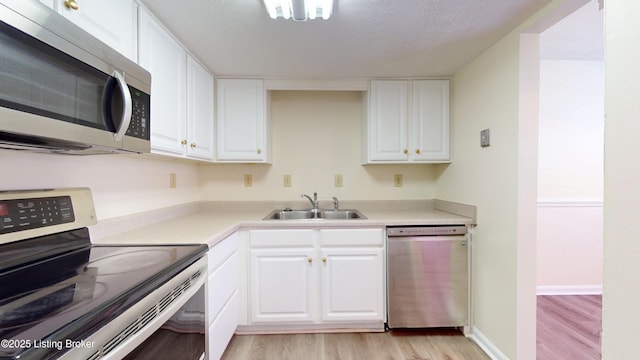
x=126, y=112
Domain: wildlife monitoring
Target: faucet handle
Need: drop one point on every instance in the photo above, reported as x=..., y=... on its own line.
x=336, y=204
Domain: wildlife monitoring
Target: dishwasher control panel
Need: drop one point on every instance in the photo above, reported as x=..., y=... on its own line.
x=436, y=230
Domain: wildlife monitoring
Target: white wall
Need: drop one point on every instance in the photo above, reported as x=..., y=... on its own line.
x=621, y=293
x=120, y=184
x=570, y=175
x=499, y=91
x=316, y=134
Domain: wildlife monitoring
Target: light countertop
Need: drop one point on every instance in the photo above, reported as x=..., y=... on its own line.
x=206, y=223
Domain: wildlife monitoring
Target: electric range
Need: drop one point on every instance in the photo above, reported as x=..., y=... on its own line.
x=58, y=290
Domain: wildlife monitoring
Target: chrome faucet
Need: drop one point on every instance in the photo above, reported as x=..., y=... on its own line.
x=314, y=201
x=336, y=205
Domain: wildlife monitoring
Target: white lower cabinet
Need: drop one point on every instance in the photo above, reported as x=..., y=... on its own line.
x=222, y=295
x=317, y=277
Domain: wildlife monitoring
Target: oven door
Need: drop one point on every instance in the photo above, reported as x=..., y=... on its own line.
x=180, y=337
x=169, y=323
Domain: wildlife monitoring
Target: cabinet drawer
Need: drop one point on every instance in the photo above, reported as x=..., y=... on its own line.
x=223, y=283
x=281, y=238
x=222, y=251
x=351, y=237
x=223, y=327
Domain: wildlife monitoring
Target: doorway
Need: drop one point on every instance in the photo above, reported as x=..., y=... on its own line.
x=570, y=182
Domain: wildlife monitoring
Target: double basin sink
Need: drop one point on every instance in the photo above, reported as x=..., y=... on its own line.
x=287, y=214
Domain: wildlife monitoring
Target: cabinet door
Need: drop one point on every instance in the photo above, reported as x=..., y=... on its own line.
x=352, y=284
x=241, y=121
x=430, y=120
x=113, y=22
x=165, y=59
x=199, y=111
x=387, y=127
x=282, y=286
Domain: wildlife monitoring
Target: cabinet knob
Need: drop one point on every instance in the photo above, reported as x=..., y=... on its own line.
x=417, y=151
x=183, y=142
x=193, y=145
x=71, y=4
x=259, y=151
x=324, y=260
x=309, y=260
x=405, y=151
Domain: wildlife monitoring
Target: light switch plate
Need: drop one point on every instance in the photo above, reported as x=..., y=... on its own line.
x=248, y=180
x=286, y=180
x=337, y=180
x=485, y=139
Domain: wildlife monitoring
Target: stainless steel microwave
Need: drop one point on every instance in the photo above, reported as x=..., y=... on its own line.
x=64, y=91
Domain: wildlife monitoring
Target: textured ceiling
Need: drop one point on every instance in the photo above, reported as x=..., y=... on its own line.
x=363, y=38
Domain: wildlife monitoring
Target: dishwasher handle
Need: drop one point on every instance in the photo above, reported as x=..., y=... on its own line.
x=438, y=230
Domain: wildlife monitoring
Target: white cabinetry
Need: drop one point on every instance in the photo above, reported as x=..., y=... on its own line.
x=352, y=273
x=242, y=125
x=407, y=122
x=317, y=277
x=282, y=280
x=200, y=116
x=113, y=22
x=182, y=94
x=222, y=295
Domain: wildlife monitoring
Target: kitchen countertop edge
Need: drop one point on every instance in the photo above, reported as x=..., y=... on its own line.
x=209, y=223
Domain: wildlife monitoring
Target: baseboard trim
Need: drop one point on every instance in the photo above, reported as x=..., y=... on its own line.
x=570, y=290
x=487, y=346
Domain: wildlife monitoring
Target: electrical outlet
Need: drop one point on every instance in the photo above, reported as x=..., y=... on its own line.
x=485, y=139
x=397, y=180
x=286, y=180
x=172, y=180
x=248, y=180
x=337, y=180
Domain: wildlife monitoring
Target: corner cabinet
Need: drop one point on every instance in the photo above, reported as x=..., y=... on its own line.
x=242, y=121
x=317, y=278
x=406, y=121
x=182, y=94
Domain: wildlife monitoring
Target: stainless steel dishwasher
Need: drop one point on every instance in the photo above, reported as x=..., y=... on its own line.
x=427, y=276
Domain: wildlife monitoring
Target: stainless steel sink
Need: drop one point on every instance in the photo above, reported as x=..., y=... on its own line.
x=341, y=214
x=349, y=214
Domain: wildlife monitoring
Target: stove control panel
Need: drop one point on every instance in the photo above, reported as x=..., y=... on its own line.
x=31, y=213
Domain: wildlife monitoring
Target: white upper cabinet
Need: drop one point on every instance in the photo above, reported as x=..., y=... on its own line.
x=200, y=116
x=430, y=126
x=182, y=114
x=166, y=60
x=393, y=134
x=242, y=126
x=113, y=21
x=387, y=132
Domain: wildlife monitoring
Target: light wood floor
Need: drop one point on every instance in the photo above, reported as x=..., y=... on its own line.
x=392, y=345
x=569, y=327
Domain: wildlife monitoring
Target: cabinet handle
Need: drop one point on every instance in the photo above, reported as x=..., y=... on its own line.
x=405, y=151
x=71, y=4
x=259, y=151
x=417, y=151
x=309, y=260
x=183, y=142
x=193, y=145
x=324, y=260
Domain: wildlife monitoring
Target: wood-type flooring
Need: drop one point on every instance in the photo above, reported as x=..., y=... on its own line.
x=392, y=345
x=569, y=327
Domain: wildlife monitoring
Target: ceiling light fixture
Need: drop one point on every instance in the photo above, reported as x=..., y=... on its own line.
x=299, y=10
